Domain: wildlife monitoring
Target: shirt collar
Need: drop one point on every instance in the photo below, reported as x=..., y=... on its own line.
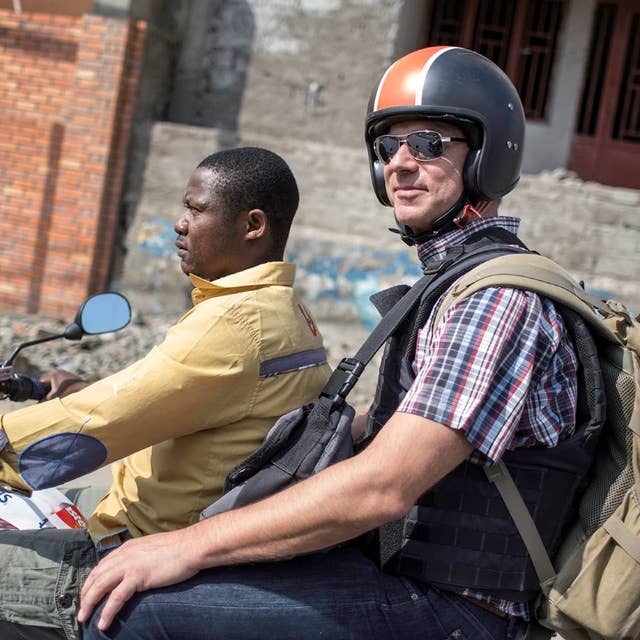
x=435, y=248
x=262, y=275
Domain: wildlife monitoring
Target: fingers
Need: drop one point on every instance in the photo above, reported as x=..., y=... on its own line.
x=66, y=387
x=144, y=563
x=90, y=595
x=119, y=596
x=62, y=383
x=102, y=580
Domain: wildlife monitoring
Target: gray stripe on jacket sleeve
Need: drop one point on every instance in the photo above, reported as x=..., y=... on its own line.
x=293, y=362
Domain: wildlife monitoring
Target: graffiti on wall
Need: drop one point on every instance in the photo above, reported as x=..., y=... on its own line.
x=334, y=278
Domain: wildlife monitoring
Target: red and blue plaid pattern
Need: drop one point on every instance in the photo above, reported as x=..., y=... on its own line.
x=499, y=366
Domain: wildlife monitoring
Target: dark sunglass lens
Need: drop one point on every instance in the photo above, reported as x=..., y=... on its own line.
x=387, y=146
x=425, y=145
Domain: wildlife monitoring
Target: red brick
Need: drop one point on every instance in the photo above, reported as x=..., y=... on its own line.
x=72, y=89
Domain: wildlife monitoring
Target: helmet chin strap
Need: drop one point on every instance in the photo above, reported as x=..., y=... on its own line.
x=446, y=222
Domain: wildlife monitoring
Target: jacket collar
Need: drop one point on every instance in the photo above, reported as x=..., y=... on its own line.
x=263, y=275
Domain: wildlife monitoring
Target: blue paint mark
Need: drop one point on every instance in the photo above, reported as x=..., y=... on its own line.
x=157, y=237
x=61, y=457
x=346, y=276
x=338, y=275
x=603, y=294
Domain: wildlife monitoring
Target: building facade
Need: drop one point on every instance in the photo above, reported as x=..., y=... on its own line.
x=295, y=75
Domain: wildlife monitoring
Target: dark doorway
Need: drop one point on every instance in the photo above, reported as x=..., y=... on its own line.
x=606, y=147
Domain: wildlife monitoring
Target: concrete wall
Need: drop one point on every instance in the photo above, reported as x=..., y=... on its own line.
x=305, y=68
x=340, y=238
x=283, y=67
x=548, y=143
x=295, y=76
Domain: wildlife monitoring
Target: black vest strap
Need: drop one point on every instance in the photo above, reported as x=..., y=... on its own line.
x=399, y=302
x=394, y=380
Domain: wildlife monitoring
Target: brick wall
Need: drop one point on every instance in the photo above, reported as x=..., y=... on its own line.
x=67, y=91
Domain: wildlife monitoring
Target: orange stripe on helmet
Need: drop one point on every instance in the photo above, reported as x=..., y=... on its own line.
x=399, y=85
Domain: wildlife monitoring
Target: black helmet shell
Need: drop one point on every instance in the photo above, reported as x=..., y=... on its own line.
x=465, y=88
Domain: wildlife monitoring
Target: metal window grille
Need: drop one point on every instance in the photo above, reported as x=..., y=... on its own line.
x=447, y=22
x=538, y=51
x=596, y=68
x=627, y=122
x=520, y=36
x=494, y=22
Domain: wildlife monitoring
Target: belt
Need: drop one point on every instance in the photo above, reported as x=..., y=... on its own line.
x=487, y=607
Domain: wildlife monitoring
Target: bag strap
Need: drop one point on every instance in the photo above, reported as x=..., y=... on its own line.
x=348, y=371
x=616, y=528
x=499, y=475
x=544, y=277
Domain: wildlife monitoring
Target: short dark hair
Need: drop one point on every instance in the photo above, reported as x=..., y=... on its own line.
x=255, y=178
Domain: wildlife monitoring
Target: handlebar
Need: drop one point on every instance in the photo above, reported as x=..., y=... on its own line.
x=20, y=388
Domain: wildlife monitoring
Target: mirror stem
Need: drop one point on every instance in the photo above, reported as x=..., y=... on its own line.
x=9, y=361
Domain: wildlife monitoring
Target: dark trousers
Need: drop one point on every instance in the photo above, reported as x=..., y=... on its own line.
x=332, y=595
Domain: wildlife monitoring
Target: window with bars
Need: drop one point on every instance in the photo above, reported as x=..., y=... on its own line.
x=625, y=126
x=627, y=122
x=520, y=36
x=593, y=90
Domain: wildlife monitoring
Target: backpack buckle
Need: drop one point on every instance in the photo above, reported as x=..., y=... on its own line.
x=342, y=380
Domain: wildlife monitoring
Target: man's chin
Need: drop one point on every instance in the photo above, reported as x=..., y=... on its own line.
x=415, y=223
x=416, y=217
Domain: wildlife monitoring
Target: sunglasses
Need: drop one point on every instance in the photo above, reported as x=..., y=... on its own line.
x=423, y=145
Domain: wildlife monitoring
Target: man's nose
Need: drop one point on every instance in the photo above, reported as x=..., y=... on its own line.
x=402, y=159
x=180, y=226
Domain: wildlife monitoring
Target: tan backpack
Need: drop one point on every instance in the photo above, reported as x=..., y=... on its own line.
x=591, y=590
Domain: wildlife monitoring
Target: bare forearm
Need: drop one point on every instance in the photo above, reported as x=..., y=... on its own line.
x=344, y=501
x=309, y=516
x=407, y=457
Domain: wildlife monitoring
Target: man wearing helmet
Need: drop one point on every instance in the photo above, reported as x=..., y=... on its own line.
x=495, y=376
x=420, y=196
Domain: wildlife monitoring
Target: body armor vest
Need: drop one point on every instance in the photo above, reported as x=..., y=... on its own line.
x=460, y=535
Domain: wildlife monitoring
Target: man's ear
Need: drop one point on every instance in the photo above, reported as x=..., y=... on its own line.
x=256, y=221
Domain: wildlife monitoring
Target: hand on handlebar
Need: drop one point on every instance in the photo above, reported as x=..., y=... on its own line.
x=63, y=383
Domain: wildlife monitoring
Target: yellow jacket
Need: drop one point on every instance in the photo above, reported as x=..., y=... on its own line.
x=197, y=404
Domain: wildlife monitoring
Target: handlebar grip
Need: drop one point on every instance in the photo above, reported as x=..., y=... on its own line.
x=39, y=389
x=20, y=388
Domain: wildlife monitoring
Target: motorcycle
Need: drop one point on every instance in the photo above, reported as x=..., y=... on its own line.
x=50, y=508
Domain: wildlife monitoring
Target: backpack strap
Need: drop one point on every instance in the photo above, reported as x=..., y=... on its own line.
x=610, y=320
x=536, y=273
x=621, y=533
x=499, y=475
x=541, y=275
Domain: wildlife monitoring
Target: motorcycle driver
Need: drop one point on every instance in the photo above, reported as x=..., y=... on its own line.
x=180, y=418
x=495, y=376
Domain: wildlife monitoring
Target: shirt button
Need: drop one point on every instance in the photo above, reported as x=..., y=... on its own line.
x=65, y=600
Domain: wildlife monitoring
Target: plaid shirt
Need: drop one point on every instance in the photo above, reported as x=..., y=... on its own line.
x=499, y=366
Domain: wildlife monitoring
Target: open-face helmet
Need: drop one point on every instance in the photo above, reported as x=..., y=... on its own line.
x=456, y=85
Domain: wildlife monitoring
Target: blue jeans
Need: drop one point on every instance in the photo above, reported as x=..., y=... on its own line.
x=332, y=595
